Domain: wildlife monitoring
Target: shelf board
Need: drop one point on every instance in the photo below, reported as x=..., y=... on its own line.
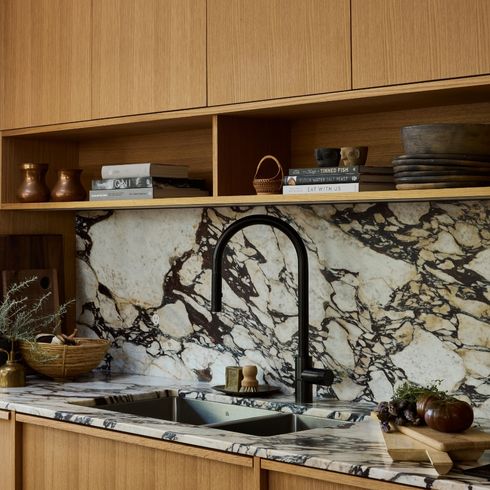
x=467, y=193
x=394, y=97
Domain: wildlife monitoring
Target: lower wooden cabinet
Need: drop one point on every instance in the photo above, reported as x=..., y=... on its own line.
x=281, y=476
x=45, y=454
x=9, y=452
x=62, y=456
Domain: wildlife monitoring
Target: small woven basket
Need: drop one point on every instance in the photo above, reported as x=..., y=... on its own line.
x=271, y=185
x=65, y=361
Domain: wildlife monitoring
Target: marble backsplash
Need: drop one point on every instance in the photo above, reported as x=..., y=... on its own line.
x=397, y=291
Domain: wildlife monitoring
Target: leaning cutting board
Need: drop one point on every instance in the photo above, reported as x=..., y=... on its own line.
x=471, y=439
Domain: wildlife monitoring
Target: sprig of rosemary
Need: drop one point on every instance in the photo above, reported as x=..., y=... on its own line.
x=410, y=392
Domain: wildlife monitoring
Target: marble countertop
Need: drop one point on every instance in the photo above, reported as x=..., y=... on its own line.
x=351, y=444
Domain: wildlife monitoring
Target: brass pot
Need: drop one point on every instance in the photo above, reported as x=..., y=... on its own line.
x=12, y=373
x=68, y=187
x=33, y=187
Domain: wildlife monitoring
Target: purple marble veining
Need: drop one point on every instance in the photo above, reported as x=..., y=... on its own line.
x=397, y=291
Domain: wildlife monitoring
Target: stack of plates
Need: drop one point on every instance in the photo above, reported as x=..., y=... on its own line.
x=433, y=171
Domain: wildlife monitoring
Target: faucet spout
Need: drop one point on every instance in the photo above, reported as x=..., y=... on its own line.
x=305, y=374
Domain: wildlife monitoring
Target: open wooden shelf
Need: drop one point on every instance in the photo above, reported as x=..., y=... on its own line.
x=223, y=144
x=467, y=193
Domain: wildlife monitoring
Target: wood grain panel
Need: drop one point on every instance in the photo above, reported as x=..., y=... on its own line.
x=240, y=143
x=46, y=62
x=120, y=465
x=263, y=50
x=10, y=451
x=400, y=41
x=283, y=476
x=188, y=147
x=148, y=56
x=379, y=131
x=14, y=151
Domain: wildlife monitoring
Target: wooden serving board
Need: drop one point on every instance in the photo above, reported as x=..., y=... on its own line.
x=404, y=448
x=440, y=162
x=444, y=156
x=484, y=179
x=440, y=185
x=397, y=169
x=471, y=439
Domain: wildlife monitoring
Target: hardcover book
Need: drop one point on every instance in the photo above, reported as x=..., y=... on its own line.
x=320, y=179
x=139, y=182
x=144, y=193
x=144, y=170
x=320, y=188
x=324, y=170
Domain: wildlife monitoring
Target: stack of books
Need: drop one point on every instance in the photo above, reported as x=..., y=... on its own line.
x=319, y=180
x=145, y=181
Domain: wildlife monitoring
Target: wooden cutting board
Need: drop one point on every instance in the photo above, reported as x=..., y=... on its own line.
x=46, y=283
x=403, y=448
x=471, y=439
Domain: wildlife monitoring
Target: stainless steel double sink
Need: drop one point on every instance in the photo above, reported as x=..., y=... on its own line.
x=235, y=418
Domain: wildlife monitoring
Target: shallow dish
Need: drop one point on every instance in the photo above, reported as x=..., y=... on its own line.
x=262, y=390
x=467, y=139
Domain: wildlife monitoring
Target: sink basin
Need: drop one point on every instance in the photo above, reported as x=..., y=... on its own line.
x=187, y=411
x=234, y=418
x=283, y=423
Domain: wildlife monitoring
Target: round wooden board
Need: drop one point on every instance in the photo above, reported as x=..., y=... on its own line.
x=438, y=185
x=436, y=169
x=482, y=179
x=444, y=156
x=440, y=162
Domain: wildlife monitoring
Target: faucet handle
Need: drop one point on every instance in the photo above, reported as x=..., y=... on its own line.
x=316, y=376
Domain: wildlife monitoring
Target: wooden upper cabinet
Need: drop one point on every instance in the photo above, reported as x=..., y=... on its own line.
x=265, y=49
x=148, y=56
x=45, y=53
x=402, y=41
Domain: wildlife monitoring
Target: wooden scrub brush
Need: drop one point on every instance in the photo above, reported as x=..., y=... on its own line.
x=249, y=381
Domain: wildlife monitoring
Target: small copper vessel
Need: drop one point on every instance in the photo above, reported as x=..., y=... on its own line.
x=68, y=187
x=33, y=187
x=12, y=373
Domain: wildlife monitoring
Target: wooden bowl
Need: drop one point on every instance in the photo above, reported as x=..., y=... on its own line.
x=470, y=139
x=60, y=361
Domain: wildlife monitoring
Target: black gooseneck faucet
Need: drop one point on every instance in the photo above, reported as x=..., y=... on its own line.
x=306, y=375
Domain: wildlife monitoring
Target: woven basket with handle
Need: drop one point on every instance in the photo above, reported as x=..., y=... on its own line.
x=270, y=185
x=65, y=361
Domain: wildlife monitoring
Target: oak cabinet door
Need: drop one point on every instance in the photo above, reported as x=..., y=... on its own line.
x=96, y=462
x=45, y=62
x=402, y=41
x=148, y=56
x=9, y=451
x=265, y=49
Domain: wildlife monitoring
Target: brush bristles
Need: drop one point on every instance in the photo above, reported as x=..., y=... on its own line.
x=248, y=389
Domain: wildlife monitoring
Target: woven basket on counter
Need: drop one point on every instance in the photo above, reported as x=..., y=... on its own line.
x=65, y=361
x=270, y=185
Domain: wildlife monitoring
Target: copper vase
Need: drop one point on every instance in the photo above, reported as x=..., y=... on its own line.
x=33, y=187
x=68, y=187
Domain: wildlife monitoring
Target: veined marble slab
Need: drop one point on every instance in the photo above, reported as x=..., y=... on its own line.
x=350, y=444
x=397, y=292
